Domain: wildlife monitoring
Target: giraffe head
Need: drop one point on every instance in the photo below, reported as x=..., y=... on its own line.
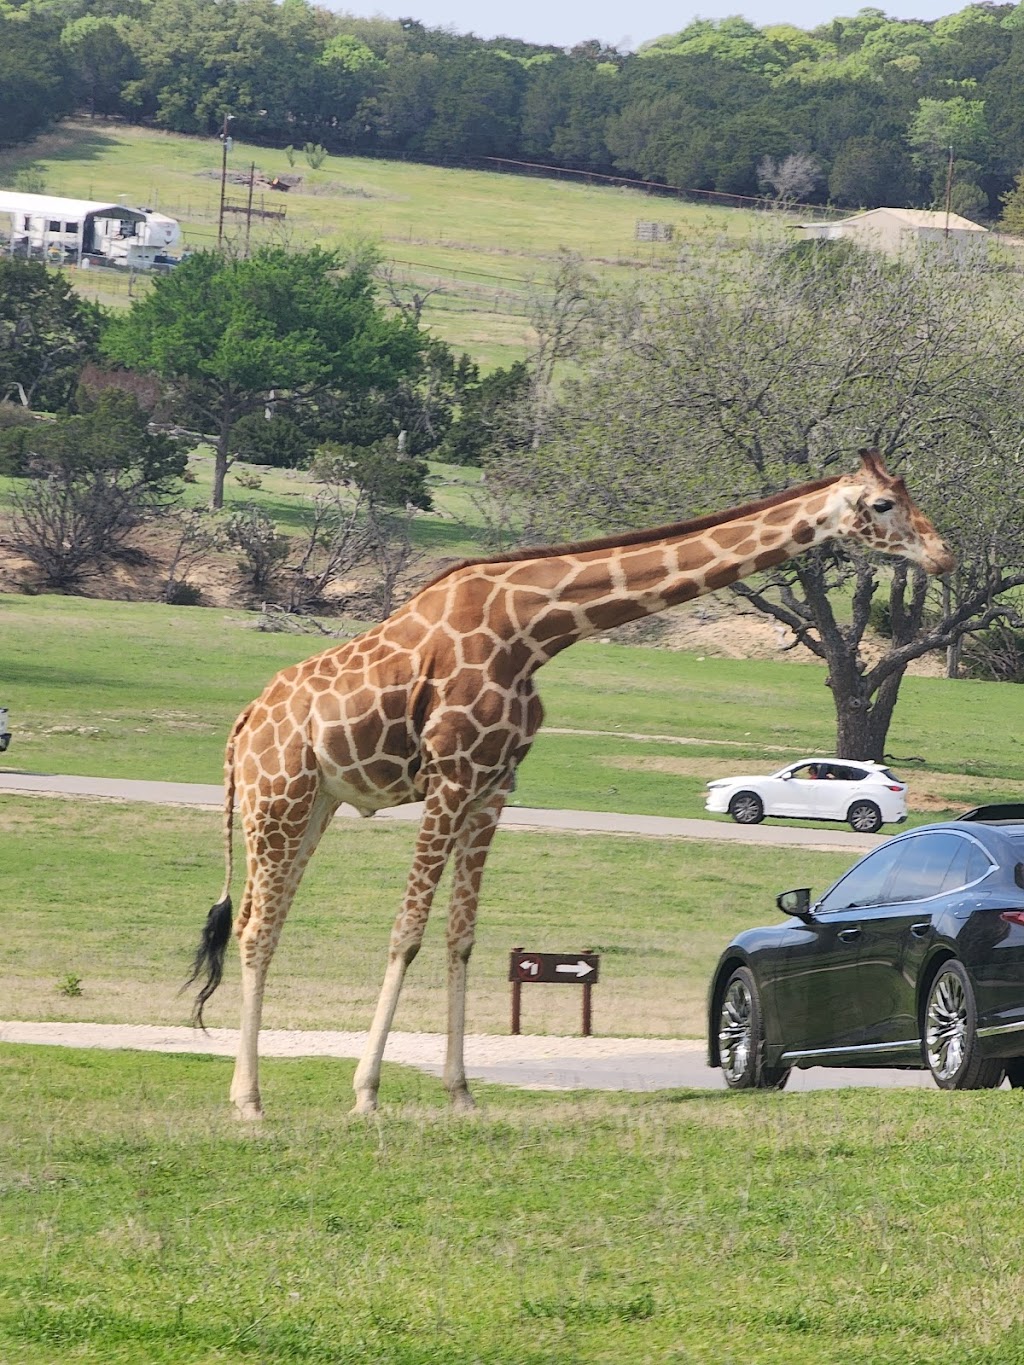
x=879, y=511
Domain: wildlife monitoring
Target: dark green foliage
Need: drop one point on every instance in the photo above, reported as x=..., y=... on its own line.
x=698, y=108
x=34, y=89
x=487, y=417
x=277, y=441
x=47, y=333
x=389, y=477
x=292, y=328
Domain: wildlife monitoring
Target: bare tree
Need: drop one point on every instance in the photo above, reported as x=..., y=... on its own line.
x=199, y=536
x=790, y=179
x=336, y=539
x=560, y=311
x=746, y=375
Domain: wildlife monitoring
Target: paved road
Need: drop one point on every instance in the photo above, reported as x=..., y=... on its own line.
x=530, y=1062
x=513, y=817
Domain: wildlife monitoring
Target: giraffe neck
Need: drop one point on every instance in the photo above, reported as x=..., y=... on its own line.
x=558, y=600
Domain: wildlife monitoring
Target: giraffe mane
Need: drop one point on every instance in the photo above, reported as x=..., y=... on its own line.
x=643, y=537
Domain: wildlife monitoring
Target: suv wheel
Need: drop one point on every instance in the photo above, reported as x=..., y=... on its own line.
x=747, y=808
x=864, y=817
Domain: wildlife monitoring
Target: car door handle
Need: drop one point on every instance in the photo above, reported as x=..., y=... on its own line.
x=919, y=930
x=848, y=935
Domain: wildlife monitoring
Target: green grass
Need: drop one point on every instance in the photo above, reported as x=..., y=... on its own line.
x=142, y=1226
x=113, y=897
x=146, y=691
x=475, y=243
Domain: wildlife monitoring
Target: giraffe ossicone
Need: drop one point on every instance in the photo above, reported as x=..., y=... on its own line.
x=437, y=704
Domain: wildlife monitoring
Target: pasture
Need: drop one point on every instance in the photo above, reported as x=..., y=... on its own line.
x=474, y=244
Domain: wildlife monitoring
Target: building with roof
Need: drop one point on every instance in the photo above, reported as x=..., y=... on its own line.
x=84, y=231
x=896, y=231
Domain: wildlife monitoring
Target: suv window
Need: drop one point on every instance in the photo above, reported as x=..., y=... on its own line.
x=931, y=863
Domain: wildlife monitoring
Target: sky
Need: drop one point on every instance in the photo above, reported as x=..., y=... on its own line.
x=617, y=24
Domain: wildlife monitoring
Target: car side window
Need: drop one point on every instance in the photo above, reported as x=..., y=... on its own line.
x=865, y=884
x=931, y=864
x=977, y=864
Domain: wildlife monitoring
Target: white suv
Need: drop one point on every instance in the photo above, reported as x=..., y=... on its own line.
x=866, y=795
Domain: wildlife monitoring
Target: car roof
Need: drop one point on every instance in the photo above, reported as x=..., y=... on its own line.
x=1004, y=813
x=855, y=762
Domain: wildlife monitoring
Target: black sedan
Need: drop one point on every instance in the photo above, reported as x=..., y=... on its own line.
x=913, y=959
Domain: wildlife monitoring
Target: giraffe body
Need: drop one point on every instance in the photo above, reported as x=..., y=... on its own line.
x=437, y=704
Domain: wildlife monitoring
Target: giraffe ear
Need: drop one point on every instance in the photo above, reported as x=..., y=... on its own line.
x=872, y=462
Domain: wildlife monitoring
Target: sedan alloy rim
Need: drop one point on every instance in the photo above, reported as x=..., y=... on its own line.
x=946, y=1031
x=734, y=1031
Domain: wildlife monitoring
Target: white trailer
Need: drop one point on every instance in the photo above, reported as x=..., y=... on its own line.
x=84, y=231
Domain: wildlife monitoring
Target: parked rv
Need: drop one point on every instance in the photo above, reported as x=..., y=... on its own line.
x=85, y=232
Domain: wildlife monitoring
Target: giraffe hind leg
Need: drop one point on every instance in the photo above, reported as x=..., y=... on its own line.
x=271, y=883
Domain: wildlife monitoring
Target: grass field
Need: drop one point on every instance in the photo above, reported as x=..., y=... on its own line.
x=114, y=896
x=142, y=1226
x=147, y=691
x=476, y=243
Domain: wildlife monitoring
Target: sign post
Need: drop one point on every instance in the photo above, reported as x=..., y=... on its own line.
x=573, y=969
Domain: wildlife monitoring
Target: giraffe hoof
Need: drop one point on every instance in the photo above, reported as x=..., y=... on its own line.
x=463, y=1102
x=365, y=1104
x=249, y=1112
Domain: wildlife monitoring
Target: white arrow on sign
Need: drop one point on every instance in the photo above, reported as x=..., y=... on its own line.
x=527, y=964
x=576, y=969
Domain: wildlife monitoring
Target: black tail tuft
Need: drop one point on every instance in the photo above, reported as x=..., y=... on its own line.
x=209, y=956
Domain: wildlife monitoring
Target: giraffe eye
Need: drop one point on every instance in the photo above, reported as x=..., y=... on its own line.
x=883, y=505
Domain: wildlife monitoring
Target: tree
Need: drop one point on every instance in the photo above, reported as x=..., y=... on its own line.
x=92, y=480
x=944, y=127
x=47, y=333
x=280, y=330
x=744, y=377
x=1012, y=217
x=789, y=179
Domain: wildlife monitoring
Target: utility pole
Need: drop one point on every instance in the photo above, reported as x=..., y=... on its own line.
x=225, y=148
x=949, y=189
x=248, y=209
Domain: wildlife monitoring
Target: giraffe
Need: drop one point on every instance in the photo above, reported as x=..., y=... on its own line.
x=437, y=704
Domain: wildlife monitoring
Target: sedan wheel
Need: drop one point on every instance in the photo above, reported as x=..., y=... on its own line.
x=747, y=808
x=951, y=1034
x=865, y=817
x=741, y=1037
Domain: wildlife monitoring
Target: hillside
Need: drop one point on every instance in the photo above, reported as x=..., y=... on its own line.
x=470, y=245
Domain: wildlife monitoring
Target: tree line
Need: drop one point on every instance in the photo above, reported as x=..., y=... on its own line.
x=863, y=109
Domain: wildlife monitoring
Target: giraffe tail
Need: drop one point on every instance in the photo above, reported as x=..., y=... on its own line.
x=209, y=958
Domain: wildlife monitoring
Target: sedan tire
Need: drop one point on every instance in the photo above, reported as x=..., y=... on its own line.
x=747, y=808
x=864, y=817
x=741, y=1037
x=950, y=1042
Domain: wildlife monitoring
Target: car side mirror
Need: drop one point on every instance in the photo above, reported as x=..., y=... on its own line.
x=795, y=902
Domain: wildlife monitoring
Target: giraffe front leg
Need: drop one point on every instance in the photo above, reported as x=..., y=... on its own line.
x=366, y=1081
x=471, y=851
x=443, y=810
